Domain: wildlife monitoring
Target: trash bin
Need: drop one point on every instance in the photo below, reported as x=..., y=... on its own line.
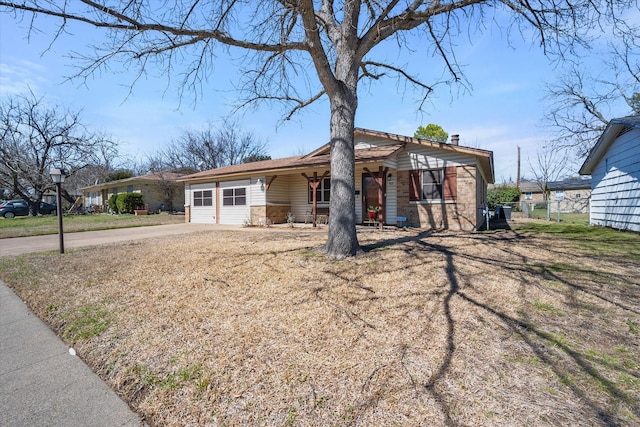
x=505, y=212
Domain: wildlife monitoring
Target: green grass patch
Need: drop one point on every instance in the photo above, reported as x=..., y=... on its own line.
x=42, y=225
x=85, y=322
x=598, y=240
x=547, y=308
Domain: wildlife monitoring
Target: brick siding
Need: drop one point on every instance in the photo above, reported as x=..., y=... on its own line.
x=460, y=214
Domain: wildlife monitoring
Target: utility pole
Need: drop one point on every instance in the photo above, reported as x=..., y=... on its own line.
x=518, y=176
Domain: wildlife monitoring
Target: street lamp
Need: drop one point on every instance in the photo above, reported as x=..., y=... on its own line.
x=58, y=175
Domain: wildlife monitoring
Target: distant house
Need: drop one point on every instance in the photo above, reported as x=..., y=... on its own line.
x=160, y=191
x=409, y=181
x=571, y=194
x=614, y=166
x=532, y=192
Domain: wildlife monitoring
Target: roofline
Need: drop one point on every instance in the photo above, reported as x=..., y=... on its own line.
x=127, y=180
x=208, y=178
x=607, y=138
x=487, y=166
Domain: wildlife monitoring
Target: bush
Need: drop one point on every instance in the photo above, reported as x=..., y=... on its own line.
x=499, y=196
x=113, y=205
x=128, y=202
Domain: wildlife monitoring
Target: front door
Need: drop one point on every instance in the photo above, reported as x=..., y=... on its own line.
x=371, y=192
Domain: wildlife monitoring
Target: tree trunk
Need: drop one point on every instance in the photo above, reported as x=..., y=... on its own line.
x=343, y=240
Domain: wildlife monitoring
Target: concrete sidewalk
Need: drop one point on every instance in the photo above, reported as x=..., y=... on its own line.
x=42, y=384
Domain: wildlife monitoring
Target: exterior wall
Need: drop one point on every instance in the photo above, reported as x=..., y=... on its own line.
x=615, y=195
x=300, y=194
x=573, y=201
x=418, y=157
x=164, y=196
x=481, y=201
x=536, y=197
x=278, y=199
x=460, y=214
x=154, y=194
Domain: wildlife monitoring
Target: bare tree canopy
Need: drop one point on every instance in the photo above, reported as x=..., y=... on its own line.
x=583, y=102
x=284, y=40
x=549, y=165
x=36, y=137
x=210, y=148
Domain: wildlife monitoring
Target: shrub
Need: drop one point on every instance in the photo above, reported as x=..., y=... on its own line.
x=113, y=205
x=128, y=202
x=500, y=195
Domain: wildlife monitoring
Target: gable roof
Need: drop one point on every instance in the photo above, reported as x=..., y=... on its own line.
x=614, y=129
x=322, y=157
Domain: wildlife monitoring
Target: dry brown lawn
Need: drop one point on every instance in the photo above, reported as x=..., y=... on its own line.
x=509, y=328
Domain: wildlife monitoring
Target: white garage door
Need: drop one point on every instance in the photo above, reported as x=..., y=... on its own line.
x=203, y=203
x=234, y=202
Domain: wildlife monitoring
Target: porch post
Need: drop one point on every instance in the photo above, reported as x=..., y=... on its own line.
x=314, y=183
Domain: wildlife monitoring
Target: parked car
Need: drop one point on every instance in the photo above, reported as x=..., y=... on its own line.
x=11, y=208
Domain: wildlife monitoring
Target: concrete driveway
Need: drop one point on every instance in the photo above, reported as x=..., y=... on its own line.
x=21, y=245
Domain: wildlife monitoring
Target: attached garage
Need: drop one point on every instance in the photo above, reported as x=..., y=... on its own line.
x=234, y=202
x=203, y=203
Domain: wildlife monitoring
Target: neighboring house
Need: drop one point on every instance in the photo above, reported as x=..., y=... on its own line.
x=614, y=166
x=160, y=191
x=532, y=192
x=412, y=181
x=572, y=194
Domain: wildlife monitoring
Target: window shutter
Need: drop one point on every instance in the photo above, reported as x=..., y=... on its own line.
x=450, y=183
x=414, y=185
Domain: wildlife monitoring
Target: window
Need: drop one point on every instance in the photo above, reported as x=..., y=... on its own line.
x=234, y=197
x=578, y=195
x=433, y=184
x=527, y=195
x=203, y=198
x=323, y=192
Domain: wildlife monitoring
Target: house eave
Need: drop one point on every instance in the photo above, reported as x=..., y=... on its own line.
x=607, y=138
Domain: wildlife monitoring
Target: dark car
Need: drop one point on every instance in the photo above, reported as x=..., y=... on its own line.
x=11, y=208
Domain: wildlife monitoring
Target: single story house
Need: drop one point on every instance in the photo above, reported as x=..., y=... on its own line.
x=614, y=166
x=532, y=192
x=160, y=192
x=409, y=181
x=572, y=194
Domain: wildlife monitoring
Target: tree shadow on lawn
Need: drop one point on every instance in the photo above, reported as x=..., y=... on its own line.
x=568, y=362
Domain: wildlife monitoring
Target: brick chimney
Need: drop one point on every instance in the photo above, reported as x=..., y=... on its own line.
x=455, y=139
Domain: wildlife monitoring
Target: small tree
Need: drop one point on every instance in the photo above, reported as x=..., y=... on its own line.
x=499, y=196
x=431, y=132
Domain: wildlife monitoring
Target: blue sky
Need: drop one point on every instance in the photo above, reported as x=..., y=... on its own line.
x=502, y=109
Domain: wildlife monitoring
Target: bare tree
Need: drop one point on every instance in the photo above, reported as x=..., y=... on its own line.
x=36, y=137
x=209, y=148
x=582, y=103
x=549, y=165
x=336, y=40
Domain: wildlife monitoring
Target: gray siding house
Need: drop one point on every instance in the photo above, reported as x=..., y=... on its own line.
x=614, y=166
